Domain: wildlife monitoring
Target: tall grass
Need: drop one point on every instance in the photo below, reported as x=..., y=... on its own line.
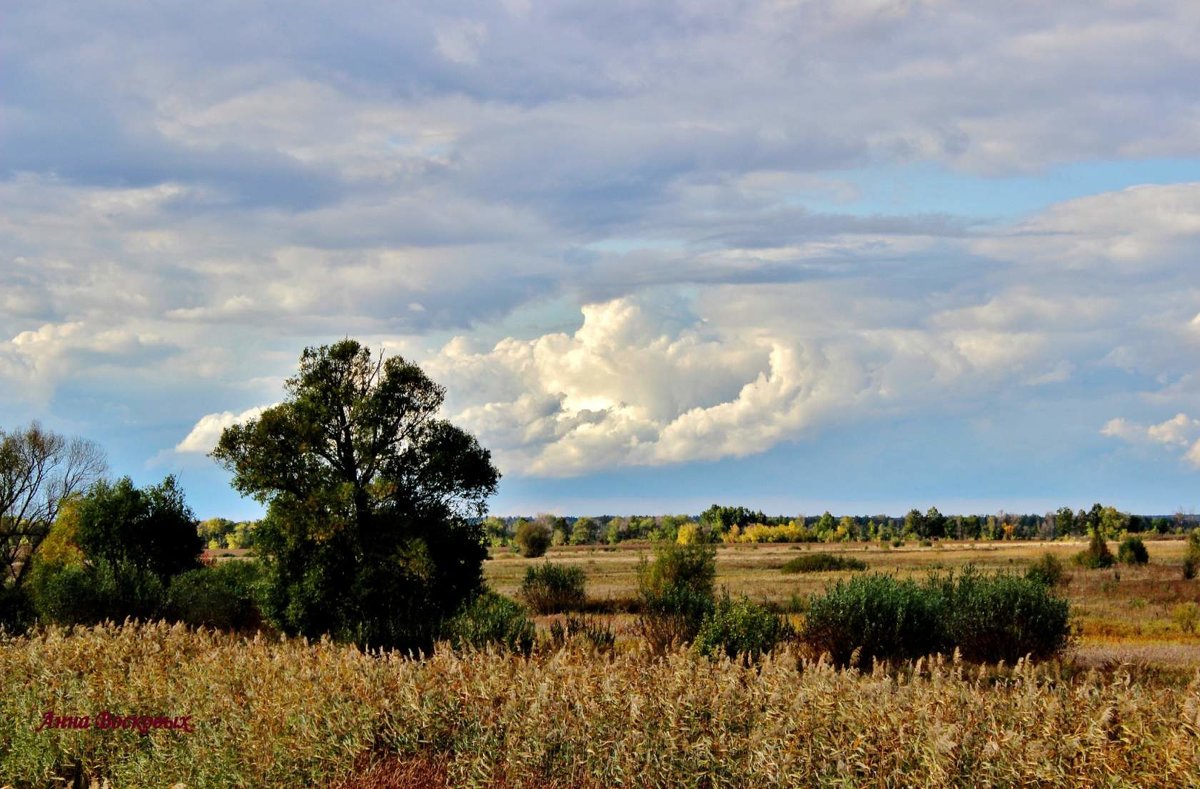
x=271, y=713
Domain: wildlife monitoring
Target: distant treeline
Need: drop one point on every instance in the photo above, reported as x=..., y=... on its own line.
x=740, y=524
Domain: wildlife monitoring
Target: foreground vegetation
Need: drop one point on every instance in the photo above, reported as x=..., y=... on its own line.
x=288, y=712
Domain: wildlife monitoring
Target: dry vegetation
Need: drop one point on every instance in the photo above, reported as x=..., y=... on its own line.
x=272, y=713
x=1122, y=710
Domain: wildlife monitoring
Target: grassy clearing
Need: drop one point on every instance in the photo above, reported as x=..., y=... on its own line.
x=270, y=713
x=1110, y=607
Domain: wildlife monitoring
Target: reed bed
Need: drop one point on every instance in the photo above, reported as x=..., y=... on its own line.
x=269, y=712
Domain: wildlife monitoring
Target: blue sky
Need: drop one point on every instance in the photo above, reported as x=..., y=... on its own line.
x=857, y=255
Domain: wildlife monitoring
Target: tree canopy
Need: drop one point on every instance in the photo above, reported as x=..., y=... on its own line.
x=371, y=531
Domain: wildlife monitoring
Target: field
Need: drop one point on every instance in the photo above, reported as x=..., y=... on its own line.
x=1121, y=614
x=1122, y=710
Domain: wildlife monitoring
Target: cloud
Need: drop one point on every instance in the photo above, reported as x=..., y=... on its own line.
x=207, y=431
x=1180, y=433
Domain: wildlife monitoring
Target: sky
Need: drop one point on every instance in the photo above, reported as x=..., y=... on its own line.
x=798, y=255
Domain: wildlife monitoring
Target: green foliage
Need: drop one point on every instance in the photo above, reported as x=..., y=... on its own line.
x=224, y=596
x=105, y=589
x=584, y=531
x=676, y=592
x=491, y=619
x=1049, y=571
x=152, y=528
x=822, y=563
x=553, y=588
x=532, y=538
x=1132, y=551
x=1003, y=617
x=988, y=618
x=1096, y=555
x=1191, y=558
x=875, y=616
x=16, y=609
x=372, y=532
x=1186, y=616
x=740, y=628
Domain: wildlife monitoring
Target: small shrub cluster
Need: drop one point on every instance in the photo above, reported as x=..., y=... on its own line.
x=1186, y=616
x=822, y=563
x=676, y=593
x=1049, y=571
x=491, y=620
x=741, y=628
x=986, y=618
x=224, y=596
x=1191, y=559
x=1096, y=555
x=1132, y=551
x=553, y=588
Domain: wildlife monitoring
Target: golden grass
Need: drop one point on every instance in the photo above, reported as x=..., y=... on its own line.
x=289, y=713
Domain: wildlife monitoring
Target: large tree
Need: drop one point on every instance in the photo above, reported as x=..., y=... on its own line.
x=39, y=469
x=372, y=530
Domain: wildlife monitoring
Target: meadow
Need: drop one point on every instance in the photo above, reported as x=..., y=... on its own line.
x=1122, y=708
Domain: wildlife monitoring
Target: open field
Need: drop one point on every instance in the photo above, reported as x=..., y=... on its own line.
x=1121, y=613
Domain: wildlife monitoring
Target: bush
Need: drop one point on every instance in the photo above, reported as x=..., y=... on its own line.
x=740, y=628
x=989, y=618
x=875, y=616
x=1187, y=616
x=78, y=594
x=553, y=588
x=822, y=563
x=1133, y=551
x=1191, y=559
x=16, y=610
x=1003, y=617
x=1096, y=555
x=491, y=620
x=1049, y=571
x=225, y=596
x=532, y=539
x=676, y=593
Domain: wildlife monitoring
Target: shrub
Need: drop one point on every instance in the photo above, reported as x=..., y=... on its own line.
x=491, y=620
x=532, y=539
x=224, y=596
x=875, y=616
x=16, y=610
x=1191, y=559
x=822, y=563
x=552, y=588
x=989, y=618
x=1132, y=551
x=75, y=593
x=1187, y=616
x=1096, y=555
x=676, y=593
x=1049, y=571
x=1003, y=617
x=740, y=628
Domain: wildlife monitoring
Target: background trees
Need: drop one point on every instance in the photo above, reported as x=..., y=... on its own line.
x=370, y=532
x=39, y=469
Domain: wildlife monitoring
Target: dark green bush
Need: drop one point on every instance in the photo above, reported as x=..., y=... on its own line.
x=1049, y=571
x=553, y=588
x=1133, y=551
x=1096, y=555
x=225, y=596
x=875, y=616
x=988, y=618
x=71, y=594
x=1003, y=617
x=16, y=609
x=532, y=539
x=740, y=628
x=491, y=620
x=822, y=563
